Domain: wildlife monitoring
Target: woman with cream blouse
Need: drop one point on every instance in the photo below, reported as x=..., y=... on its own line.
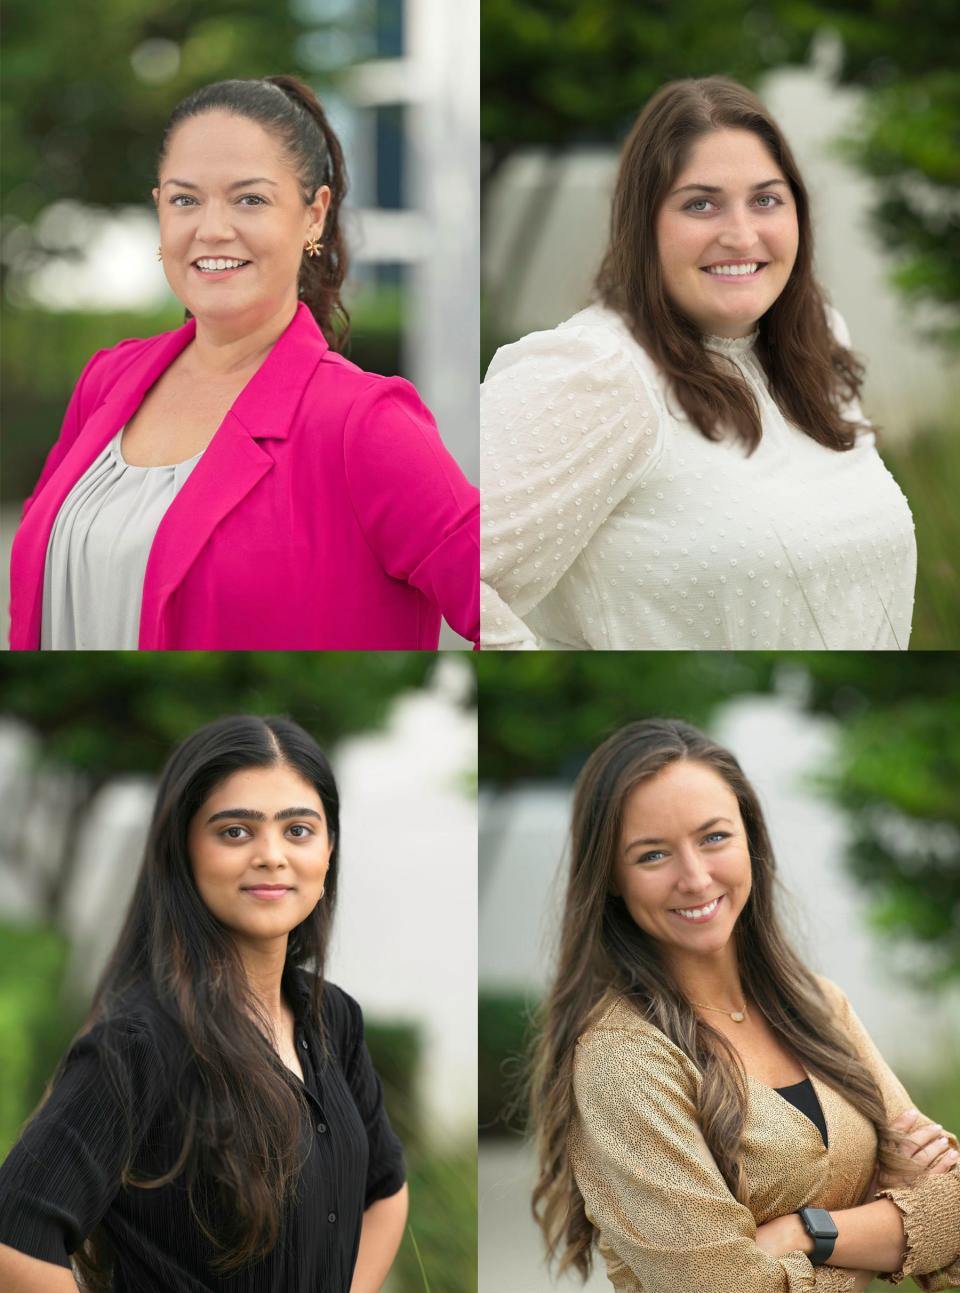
x=684, y=464
x=709, y=1114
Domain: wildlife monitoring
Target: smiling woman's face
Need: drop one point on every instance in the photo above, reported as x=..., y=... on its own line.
x=683, y=846
x=262, y=220
x=261, y=826
x=748, y=218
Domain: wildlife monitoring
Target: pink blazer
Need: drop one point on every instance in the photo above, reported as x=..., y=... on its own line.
x=325, y=514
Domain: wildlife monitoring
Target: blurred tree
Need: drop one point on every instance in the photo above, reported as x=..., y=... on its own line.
x=104, y=713
x=560, y=72
x=897, y=769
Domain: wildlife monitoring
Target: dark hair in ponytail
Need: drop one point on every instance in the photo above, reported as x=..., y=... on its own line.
x=290, y=111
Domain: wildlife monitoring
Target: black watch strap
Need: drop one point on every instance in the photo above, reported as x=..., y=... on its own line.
x=822, y=1229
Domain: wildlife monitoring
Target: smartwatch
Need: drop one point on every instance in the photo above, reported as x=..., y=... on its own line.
x=822, y=1229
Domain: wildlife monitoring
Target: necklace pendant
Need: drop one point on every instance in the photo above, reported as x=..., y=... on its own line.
x=738, y=1016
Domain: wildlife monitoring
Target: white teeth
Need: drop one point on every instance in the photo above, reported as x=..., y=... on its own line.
x=734, y=269
x=219, y=264
x=694, y=912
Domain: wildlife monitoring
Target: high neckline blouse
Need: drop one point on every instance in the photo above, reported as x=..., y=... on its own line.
x=732, y=345
x=609, y=522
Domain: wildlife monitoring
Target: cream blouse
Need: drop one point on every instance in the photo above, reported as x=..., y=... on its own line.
x=610, y=522
x=665, y=1220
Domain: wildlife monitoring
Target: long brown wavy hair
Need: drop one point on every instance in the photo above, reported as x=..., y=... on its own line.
x=291, y=112
x=810, y=373
x=602, y=951
x=242, y=1110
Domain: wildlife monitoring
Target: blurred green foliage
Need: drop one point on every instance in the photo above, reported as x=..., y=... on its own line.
x=560, y=72
x=439, y=1249
x=33, y=1031
x=896, y=772
x=926, y=466
x=396, y=1050
x=104, y=712
x=505, y=1030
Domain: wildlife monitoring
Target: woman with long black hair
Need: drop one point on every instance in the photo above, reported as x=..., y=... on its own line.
x=709, y=1113
x=217, y=1121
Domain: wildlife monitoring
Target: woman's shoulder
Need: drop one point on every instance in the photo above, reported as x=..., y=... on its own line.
x=595, y=344
x=835, y=997
x=105, y=365
x=341, y=1014
x=615, y=1024
x=132, y=1024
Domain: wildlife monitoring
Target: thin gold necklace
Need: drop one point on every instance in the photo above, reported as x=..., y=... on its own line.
x=738, y=1016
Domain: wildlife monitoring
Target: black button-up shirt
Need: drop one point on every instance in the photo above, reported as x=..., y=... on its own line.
x=61, y=1179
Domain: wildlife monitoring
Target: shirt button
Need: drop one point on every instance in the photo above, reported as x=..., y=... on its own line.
x=321, y=1127
x=331, y=1217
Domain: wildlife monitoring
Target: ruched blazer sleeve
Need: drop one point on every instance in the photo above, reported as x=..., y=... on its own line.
x=325, y=514
x=664, y=1216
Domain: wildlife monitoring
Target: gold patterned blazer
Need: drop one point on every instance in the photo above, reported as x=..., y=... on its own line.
x=665, y=1220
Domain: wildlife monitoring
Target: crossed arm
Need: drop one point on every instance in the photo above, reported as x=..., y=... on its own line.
x=872, y=1235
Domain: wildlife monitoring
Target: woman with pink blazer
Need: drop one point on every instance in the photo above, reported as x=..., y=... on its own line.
x=323, y=511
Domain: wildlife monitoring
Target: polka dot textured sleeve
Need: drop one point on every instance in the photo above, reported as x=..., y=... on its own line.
x=569, y=426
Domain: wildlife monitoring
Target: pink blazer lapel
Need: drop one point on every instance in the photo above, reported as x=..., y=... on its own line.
x=233, y=463
x=231, y=466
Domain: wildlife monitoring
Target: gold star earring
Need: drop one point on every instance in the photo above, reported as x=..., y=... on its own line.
x=313, y=246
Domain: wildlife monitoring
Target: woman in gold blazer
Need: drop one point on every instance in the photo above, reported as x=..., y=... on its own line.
x=710, y=1114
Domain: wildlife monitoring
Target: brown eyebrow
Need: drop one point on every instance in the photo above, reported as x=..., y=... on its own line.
x=713, y=188
x=237, y=184
x=253, y=815
x=706, y=826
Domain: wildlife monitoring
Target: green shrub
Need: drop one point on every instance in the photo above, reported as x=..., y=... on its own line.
x=396, y=1050
x=504, y=1032
x=439, y=1249
x=927, y=468
x=33, y=1030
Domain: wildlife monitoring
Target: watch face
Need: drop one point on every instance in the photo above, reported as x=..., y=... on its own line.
x=819, y=1223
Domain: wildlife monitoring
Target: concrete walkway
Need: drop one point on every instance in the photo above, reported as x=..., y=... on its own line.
x=510, y=1249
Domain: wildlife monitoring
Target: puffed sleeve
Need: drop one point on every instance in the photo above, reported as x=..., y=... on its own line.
x=419, y=513
x=931, y=1207
x=385, y=1169
x=651, y=1186
x=61, y=1176
x=569, y=425
x=851, y=411
x=84, y=399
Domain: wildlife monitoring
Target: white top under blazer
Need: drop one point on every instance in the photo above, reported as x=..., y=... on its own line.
x=611, y=523
x=98, y=551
